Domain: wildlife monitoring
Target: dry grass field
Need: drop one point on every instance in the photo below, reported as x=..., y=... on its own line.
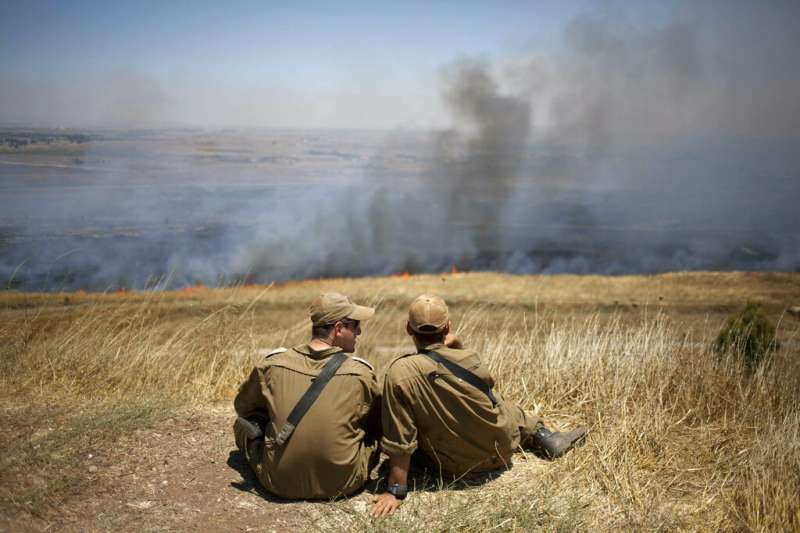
x=116, y=408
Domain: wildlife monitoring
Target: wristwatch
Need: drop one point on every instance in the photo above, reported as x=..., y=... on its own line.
x=398, y=491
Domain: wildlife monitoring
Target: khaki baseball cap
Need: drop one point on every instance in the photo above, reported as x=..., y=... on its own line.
x=329, y=307
x=428, y=314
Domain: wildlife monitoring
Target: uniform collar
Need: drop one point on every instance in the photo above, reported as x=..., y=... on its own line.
x=433, y=347
x=305, y=349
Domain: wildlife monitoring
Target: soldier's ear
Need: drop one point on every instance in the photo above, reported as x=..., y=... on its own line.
x=446, y=329
x=409, y=330
x=337, y=328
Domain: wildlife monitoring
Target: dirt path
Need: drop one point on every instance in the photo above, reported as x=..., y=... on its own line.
x=185, y=474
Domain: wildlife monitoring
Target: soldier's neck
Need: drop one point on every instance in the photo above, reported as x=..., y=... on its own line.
x=319, y=345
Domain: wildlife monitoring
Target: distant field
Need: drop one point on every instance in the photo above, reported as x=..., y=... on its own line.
x=175, y=208
x=102, y=394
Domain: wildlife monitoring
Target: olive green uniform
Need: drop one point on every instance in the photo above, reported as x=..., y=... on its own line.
x=331, y=450
x=455, y=425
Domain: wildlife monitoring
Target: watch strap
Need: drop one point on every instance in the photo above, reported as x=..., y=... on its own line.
x=398, y=491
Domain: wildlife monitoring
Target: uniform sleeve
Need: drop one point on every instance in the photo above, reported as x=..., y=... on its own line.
x=250, y=402
x=399, y=427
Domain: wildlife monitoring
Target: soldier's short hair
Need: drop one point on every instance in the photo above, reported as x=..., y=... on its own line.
x=321, y=331
x=427, y=338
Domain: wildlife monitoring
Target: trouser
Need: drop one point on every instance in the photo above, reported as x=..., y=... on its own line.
x=528, y=423
x=253, y=450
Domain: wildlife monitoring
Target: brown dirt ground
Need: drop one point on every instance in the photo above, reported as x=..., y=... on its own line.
x=185, y=474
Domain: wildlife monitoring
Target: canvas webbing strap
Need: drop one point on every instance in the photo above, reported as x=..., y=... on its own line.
x=309, y=397
x=462, y=373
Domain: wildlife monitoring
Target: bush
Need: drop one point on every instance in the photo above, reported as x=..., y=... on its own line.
x=748, y=335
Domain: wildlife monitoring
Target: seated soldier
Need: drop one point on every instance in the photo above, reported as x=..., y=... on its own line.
x=329, y=449
x=438, y=403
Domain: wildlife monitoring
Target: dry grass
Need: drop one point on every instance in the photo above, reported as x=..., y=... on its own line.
x=680, y=438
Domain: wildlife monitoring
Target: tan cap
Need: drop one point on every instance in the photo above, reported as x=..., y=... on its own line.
x=428, y=314
x=329, y=307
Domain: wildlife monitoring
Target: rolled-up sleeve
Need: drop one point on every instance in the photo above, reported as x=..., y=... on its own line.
x=399, y=428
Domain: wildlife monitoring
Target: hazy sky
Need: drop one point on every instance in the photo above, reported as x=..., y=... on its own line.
x=317, y=64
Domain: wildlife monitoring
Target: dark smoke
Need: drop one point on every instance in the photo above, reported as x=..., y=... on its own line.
x=500, y=126
x=626, y=151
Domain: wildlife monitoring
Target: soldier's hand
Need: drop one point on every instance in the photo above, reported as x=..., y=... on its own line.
x=451, y=341
x=384, y=505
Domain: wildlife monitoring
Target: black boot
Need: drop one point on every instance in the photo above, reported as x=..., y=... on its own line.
x=552, y=444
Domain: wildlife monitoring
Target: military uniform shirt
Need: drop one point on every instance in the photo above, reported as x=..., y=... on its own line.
x=329, y=451
x=455, y=424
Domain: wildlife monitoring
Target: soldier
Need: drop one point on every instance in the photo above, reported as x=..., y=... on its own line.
x=309, y=417
x=438, y=405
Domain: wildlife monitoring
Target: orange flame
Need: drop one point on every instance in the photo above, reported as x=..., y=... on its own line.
x=193, y=288
x=454, y=269
x=401, y=275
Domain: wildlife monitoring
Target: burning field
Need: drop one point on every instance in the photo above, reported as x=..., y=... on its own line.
x=169, y=209
x=117, y=405
x=629, y=151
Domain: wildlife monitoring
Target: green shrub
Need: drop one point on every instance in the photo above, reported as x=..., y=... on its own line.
x=748, y=335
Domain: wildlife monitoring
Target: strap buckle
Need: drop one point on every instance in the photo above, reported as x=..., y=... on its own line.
x=285, y=433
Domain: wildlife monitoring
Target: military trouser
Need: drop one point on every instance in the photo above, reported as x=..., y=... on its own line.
x=528, y=423
x=256, y=455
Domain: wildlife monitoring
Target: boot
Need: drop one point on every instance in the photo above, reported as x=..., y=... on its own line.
x=555, y=444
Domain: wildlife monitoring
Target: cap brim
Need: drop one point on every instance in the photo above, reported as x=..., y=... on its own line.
x=361, y=313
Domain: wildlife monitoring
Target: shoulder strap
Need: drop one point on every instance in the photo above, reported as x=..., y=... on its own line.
x=462, y=373
x=276, y=351
x=310, y=396
x=364, y=361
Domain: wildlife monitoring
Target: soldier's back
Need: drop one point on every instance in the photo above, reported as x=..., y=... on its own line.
x=326, y=455
x=456, y=425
